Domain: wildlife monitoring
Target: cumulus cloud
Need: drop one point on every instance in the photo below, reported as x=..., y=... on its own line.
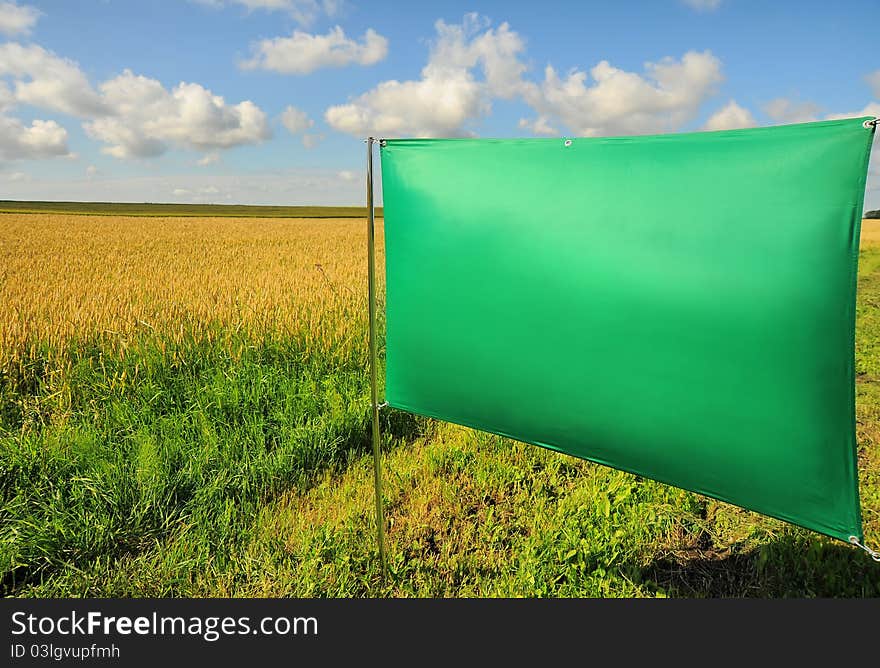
x=40, y=139
x=472, y=64
x=146, y=118
x=42, y=79
x=135, y=115
x=873, y=80
x=703, y=5
x=474, y=43
x=296, y=120
x=303, y=53
x=299, y=124
x=209, y=159
x=785, y=110
x=448, y=96
x=7, y=99
x=17, y=19
x=730, y=117
x=870, y=109
x=302, y=11
x=538, y=126
x=311, y=139
x=609, y=100
x=436, y=105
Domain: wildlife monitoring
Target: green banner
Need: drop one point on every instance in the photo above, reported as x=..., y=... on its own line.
x=677, y=306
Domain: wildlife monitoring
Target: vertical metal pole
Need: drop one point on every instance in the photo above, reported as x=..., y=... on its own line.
x=374, y=389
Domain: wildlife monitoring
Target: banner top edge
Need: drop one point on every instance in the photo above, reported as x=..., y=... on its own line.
x=867, y=122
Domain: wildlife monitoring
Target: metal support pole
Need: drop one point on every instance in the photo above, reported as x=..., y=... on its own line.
x=374, y=389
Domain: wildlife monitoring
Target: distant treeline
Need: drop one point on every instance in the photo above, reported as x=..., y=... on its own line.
x=873, y=214
x=204, y=210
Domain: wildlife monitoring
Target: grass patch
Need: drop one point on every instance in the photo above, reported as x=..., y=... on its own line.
x=121, y=451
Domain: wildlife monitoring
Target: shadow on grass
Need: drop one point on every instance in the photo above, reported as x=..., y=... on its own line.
x=794, y=565
x=400, y=426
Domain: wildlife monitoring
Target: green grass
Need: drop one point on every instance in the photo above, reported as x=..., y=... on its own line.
x=122, y=451
x=202, y=210
x=243, y=469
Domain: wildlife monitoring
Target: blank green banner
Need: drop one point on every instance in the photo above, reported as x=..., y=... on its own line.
x=677, y=306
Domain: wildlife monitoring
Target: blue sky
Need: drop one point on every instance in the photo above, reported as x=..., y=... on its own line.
x=266, y=101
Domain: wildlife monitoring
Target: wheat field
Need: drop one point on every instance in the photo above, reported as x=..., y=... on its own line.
x=68, y=277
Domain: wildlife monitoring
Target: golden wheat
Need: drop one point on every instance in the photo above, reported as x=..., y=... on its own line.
x=65, y=277
x=870, y=232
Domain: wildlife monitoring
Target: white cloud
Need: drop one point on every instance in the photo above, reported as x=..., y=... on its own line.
x=871, y=109
x=303, y=52
x=91, y=172
x=299, y=124
x=135, y=115
x=311, y=139
x=785, y=110
x=17, y=19
x=42, y=79
x=463, y=47
x=703, y=5
x=429, y=107
x=7, y=99
x=538, y=126
x=447, y=97
x=40, y=139
x=873, y=80
x=730, y=117
x=296, y=120
x=17, y=177
x=450, y=98
x=147, y=118
x=302, y=11
x=611, y=101
x=347, y=175
x=209, y=159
